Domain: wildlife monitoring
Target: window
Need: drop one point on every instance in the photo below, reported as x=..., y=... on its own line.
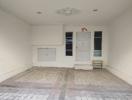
x=69, y=43
x=98, y=43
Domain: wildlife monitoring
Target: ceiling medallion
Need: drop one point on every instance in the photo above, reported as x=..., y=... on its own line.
x=68, y=11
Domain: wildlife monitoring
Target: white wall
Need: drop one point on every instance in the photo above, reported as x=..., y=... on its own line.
x=120, y=50
x=61, y=59
x=47, y=35
x=15, y=45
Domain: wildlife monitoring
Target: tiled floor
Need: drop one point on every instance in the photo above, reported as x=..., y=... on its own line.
x=65, y=84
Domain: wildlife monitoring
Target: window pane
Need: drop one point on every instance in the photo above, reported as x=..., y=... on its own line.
x=69, y=43
x=98, y=34
x=98, y=43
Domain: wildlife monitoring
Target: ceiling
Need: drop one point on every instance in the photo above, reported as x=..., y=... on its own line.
x=26, y=10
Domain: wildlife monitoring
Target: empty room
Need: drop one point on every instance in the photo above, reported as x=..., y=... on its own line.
x=65, y=49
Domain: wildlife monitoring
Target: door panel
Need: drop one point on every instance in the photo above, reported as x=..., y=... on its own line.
x=83, y=46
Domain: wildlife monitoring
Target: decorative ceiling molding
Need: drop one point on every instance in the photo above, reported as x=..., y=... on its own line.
x=68, y=11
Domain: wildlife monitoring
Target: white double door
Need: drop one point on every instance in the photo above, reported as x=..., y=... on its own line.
x=83, y=46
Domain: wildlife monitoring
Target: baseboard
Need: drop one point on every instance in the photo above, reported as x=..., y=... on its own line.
x=122, y=75
x=12, y=73
x=57, y=66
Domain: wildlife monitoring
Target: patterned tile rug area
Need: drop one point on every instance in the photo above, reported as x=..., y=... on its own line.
x=7, y=93
x=98, y=95
x=98, y=78
x=65, y=84
x=38, y=77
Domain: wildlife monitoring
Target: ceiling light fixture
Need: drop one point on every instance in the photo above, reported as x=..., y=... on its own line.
x=95, y=10
x=39, y=12
x=68, y=11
